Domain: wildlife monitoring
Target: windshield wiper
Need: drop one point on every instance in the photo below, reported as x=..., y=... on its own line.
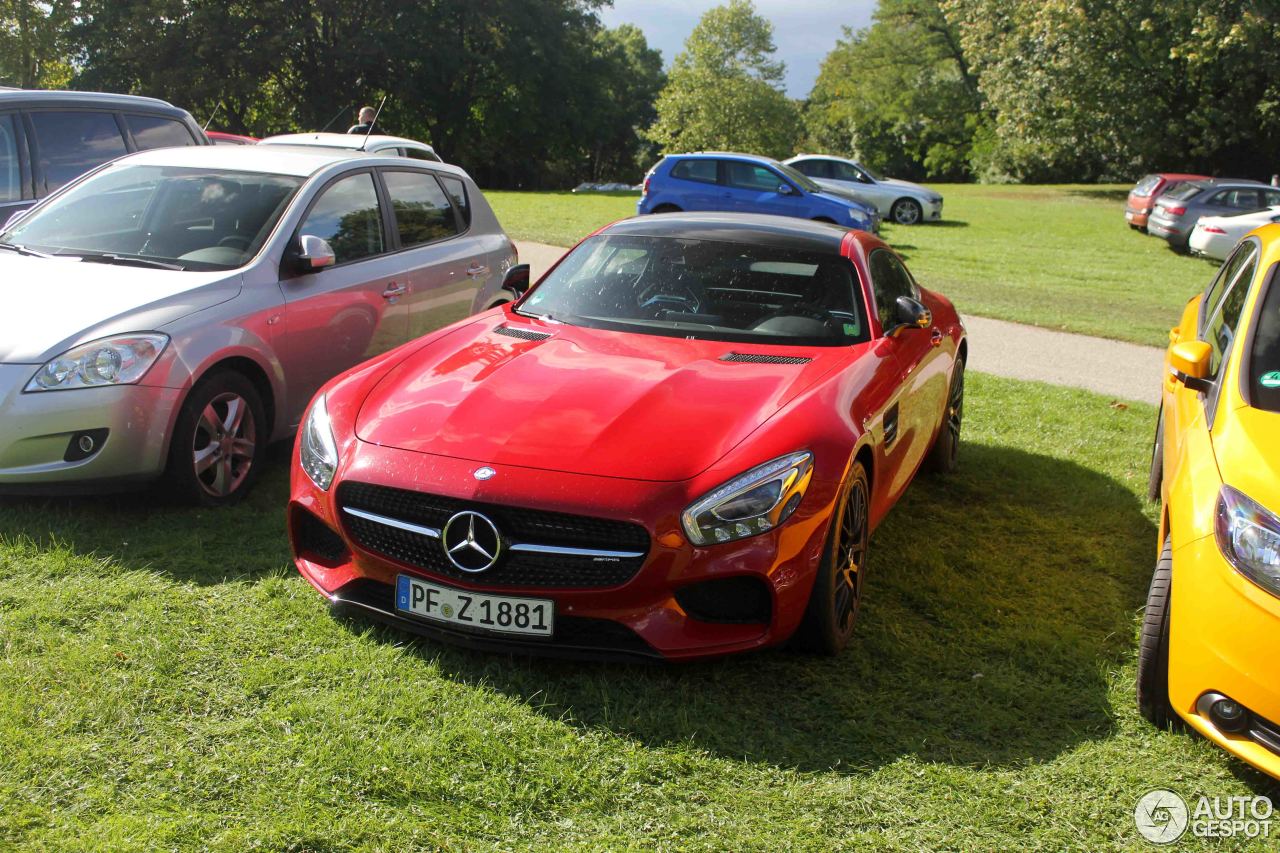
x=23, y=250
x=128, y=260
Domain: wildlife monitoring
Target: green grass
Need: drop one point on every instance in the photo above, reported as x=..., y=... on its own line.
x=167, y=681
x=1054, y=256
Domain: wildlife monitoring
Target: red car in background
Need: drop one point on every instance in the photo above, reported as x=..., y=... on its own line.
x=675, y=446
x=217, y=137
x=1142, y=197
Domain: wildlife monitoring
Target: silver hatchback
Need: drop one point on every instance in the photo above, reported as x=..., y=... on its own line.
x=172, y=312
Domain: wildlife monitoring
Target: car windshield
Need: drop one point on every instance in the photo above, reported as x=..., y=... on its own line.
x=165, y=216
x=704, y=290
x=802, y=180
x=1146, y=185
x=875, y=176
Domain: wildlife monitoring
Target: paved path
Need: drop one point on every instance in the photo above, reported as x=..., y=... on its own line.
x=1116, y=369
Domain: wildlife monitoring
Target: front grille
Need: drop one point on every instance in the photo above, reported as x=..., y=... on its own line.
x=754, y=358
x=518, y=525
x=1265, y=732
x=522, y=334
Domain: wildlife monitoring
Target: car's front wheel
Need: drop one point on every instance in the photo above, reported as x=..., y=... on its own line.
x=218, y=442
x=906, y=211
x=837, y=591
x=1153, y=645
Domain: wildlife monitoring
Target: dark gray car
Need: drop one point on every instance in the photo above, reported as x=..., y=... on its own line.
x=1175, y=214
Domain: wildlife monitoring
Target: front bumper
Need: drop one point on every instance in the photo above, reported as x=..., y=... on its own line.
x=638, y=618
x=1137, y=217
x=932, y=210
x=36, y=430
x=1221, y=640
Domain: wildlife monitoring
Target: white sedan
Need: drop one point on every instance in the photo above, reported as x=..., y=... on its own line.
x=1215, y=236
x=898, y=201
x=387, y=146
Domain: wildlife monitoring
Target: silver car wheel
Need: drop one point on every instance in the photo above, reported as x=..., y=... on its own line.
x=224, y=445
x=906, y=212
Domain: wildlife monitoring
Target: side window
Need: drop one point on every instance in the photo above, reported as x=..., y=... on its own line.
x=846, y=172
x=1272, y=197
x=1264, y=361
x=421, y=154
x=157, y=132
x=72, y=143
x=703, y=171
x=889, y=280
x=814, y=168
x=749, y=176
x=1243, y=199
x=347, y=215
x=1220, y=331
x=1226, y=274
x=457, y=191
x=10, y=169
x=423, y=212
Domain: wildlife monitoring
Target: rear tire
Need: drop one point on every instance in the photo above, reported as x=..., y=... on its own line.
x=1153, y=646
x=832, y=612
x=1155, y=478
x=219, y=441
x=944, y=456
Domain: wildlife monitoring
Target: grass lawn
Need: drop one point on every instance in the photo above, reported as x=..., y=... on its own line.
x=1054, y=256
x=167, y=681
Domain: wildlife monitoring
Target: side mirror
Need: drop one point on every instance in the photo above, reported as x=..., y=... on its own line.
x=910, y=313
x=785, y=189
x=315, y=253
x=1189, y=364
x=14, y=218
x=517, y=280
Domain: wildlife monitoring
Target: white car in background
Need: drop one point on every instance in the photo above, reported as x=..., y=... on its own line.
x=897, y=201
x=387, y=146
x=1215, y=236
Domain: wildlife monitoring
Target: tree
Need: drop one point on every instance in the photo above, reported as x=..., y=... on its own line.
x=899, y=95
x=32, y=52
x=725, y=89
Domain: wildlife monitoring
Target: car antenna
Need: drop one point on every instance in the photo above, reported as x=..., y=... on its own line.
x=211, y=117
x=330, y=122
x=373, y=123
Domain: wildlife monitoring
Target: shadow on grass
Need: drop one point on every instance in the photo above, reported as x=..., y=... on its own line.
x=996, y=603
x=1099, y=193
x=145, y=528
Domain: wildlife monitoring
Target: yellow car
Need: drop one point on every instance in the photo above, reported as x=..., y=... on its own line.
x=1212, y=620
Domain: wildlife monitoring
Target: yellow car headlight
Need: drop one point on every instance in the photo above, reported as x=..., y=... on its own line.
x=1249, y=537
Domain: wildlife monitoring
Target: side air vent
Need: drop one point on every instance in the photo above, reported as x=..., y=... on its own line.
x=522, y=334
x=754, y=358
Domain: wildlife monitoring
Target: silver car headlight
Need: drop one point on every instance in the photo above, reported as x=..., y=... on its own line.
x=1249, y=537
x=317, y=451
x=119, y=360
x=750, y=503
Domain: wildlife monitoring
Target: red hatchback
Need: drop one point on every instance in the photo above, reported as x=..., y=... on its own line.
x=1142, y=197
x=675, y=446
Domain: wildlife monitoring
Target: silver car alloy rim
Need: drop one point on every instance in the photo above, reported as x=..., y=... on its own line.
x=224, y=443
x=905, y=213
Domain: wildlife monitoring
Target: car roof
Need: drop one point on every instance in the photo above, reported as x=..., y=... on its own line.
x=298, y=160
x=98, y=100
x=722, y=155
x=1181, y=176
x=779, y=232
x=341, y=140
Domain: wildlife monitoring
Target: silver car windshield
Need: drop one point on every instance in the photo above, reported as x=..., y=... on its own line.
x=164, y=216
x=704, y=289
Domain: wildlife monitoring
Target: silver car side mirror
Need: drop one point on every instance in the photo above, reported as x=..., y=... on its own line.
x=315, y=253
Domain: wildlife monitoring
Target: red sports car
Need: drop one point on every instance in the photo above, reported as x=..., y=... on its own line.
x=676, y=445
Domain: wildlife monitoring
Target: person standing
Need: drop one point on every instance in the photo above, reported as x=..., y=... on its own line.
x=365, y=119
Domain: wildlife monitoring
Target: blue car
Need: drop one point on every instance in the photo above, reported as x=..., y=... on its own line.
x=744, y=183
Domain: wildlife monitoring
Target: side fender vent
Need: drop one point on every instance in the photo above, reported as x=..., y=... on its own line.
x=755, y=358
x=522, y=334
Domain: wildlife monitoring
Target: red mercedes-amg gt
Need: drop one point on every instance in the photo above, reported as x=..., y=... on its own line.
x=675, y=445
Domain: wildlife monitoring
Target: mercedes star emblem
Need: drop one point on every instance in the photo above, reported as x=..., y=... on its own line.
x=471, y=542
x=484, y=473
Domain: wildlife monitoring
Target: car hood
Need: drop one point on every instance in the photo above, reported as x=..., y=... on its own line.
x=50, y=304
x=583, y=401
x=842, y=196
x=909, y=187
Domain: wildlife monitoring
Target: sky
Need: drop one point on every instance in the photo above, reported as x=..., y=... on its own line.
x=804, y=30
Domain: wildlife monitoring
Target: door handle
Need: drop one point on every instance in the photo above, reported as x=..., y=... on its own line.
x=393, y=290
x=936, y=337
x=477, y=269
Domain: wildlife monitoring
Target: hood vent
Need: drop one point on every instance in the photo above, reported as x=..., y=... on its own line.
x=755, y=358
x=522, y=334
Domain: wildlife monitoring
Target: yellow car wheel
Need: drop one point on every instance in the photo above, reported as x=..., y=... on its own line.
x=1153, y=647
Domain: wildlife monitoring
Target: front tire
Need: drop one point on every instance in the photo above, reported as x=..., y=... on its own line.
x=906, y=211
x=837, y=591
x=219, y=442
x=1153, y=645
x=944, y=456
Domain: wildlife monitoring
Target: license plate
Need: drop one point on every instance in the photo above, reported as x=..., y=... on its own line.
x=501, y=614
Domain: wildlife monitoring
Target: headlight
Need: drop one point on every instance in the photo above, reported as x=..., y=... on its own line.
x=317, y=451
x=1249, y=537
x=751, y=503
x=121, y=360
